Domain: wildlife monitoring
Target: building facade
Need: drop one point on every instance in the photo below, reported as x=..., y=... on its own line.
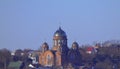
x=60, y=54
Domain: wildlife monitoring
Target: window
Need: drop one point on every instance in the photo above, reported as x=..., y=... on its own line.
x=55, y=42
x=48, y=60
x=59, y=42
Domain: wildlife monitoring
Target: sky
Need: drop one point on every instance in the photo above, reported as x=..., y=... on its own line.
x=29, y=23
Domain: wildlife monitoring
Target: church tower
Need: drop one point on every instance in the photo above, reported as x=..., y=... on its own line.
x=60, y=55
x=60, y=41
x=60, y=47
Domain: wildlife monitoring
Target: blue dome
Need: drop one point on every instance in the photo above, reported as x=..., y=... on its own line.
x=45, y=45
x=60, y=33
x=75, y=45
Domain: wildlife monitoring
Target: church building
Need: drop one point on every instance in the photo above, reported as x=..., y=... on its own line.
x=60, y=54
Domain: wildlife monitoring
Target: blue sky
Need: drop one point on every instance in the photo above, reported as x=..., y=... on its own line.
x=29, y=23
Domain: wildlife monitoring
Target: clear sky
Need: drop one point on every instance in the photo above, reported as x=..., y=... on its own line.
x=29, y=23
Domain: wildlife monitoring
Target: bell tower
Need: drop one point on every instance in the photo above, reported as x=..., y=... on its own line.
x=60, y=46
x=60, y=41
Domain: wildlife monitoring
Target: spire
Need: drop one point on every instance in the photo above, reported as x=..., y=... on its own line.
x=59, y=27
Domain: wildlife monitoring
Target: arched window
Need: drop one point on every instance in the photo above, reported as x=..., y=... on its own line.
x=59, y=43
x=43, y=50
x=55, y=42
x=59, y=48
x=48, y=60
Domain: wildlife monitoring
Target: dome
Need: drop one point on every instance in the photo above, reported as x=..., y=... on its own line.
x=45, y=46
x=60, y=33
x=75, y=45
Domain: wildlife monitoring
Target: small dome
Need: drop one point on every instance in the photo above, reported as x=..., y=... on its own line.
x=45, y=45
x=60, y=33
x=75, y=45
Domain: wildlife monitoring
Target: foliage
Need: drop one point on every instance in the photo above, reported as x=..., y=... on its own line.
x=5, y=57
x=14, y=65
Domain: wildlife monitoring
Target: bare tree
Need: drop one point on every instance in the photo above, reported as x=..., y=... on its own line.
x=5, y=57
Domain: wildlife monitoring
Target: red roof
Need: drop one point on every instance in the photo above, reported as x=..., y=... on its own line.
x=90, y=48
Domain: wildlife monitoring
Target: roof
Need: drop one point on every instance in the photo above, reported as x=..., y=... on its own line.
x=45, y=45
x=75, y=45
x=90, y=48
x=60, y=32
